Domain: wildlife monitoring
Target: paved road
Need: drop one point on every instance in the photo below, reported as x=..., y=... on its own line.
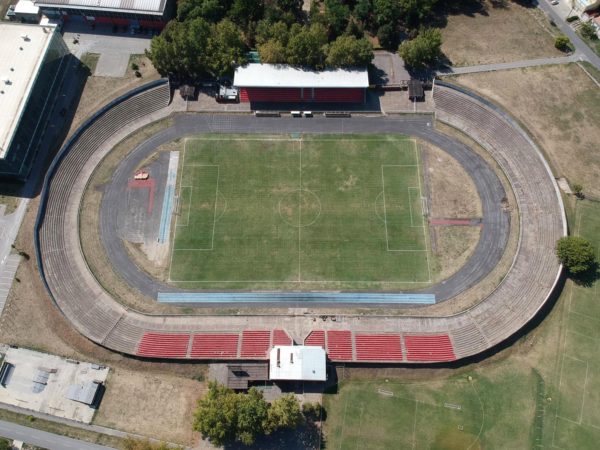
x=487, y=254
x=44, y=439
x=564, y=27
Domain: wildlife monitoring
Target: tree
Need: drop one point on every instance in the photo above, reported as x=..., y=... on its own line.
x=272, y=52
x=284, y=413
x=347, y=51
x=362, y=10
x=244, y=11
x=226, y=48
x=211, y=10
x=5, y=444
x=251, y=416
x=386, y=12
x=576, y=254
x=306, y=47
x=588, y=31
x=216, y=416
x=181, y=48
x=387, y=35
x=224, y=417
x=337, y=15
x=414, y=11
x=424, y=50
x=578, y=191
x=562, y=42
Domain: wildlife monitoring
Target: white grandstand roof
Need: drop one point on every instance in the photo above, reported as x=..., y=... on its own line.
x=22, y=48
x=297, y=362
x=136, y=6
x=26, y=7
x=284, y=76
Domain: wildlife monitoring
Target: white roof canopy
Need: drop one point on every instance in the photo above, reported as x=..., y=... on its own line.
x=284, y=76
x=297, y=362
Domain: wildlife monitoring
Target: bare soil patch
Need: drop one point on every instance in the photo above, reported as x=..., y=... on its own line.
x=452, y=193
x=156, y=405
x=498, y=34
x=100, y=90
x=92, y=247
x=562, y=113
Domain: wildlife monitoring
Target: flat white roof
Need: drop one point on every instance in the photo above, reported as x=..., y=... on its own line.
x=22, y=47
x=297, y=362
x=281, y=75
x=26, y=7
x=137, y=6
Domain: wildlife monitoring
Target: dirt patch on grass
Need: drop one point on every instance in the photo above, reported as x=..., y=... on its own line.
x=452, y=193
x=91, y=245
x=498, y=34
x=562, y=113
x=456, y=246
x=156, y=405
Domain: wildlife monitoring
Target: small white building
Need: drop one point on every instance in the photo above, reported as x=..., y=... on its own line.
x=27, y=11
x=297, y=362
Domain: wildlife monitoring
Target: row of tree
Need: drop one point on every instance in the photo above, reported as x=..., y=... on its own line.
x=212, y=37
x=225, y=417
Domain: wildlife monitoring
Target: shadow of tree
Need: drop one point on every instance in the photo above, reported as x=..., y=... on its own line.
x=587, y=278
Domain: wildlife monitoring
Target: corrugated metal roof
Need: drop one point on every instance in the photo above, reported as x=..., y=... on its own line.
x=142, y=6
x=83, y=393
x=284, y=76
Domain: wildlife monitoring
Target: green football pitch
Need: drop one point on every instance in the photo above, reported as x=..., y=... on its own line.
x=300, y=212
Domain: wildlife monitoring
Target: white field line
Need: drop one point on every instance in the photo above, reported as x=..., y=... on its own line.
x=300, y=217
x=387, y=242
x=564, y=343
x=189, y=205
x=425, y=237
x=212, y=241
x=412, y=224
x=180, y=174
x=296, y=281
x=587, y=367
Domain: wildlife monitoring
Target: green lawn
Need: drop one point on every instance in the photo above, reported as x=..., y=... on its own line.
x=544, y=392
x=306, y=212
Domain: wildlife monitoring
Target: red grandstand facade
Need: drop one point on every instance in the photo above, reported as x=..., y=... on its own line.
x=284, y=84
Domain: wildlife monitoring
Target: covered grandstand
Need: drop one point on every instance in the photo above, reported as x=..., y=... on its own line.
x=32, y=59
x=279, y=83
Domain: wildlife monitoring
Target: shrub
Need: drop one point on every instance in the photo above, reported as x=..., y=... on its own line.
x=134, y=66
x=588, y=31
x=562, y=42
x=578, y=191
x=138, y=74
x=576, y=254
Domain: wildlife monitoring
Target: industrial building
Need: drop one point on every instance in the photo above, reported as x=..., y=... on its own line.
x=280, y=83
x=32, y=61
x=130, y=13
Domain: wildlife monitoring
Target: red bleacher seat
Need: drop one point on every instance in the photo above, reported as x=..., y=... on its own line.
x=339, y=95
x=164, y=345
x=339, y=345
x=280, y=337
x=378, y=347
x=437, y=347
x=255, y=344
x=316, y=338
x=215, y=345
x=270, y=95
